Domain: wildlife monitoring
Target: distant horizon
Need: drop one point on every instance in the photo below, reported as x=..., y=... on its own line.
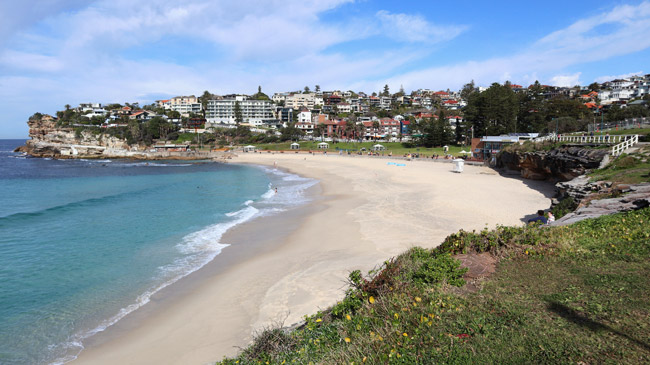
x=136, y=51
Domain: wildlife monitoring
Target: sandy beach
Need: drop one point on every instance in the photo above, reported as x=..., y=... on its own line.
x=366, y=211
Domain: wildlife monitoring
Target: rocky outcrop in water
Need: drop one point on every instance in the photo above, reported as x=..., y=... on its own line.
x=50, y=140
x=563, y=164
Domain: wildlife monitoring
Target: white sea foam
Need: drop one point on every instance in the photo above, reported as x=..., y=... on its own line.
x=201, y=247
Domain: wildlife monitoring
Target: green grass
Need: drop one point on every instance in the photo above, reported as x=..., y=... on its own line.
x=395, y=147
x=630, y=168
x=613, y=132
x=575, y=294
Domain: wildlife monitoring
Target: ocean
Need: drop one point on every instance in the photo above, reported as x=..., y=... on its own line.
x=83, y=243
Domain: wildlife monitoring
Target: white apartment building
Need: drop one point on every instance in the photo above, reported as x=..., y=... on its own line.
x=279, y=97
x=297, y=101
x=182, y=104
x=304, y=116
x=344, y=107
x=254, y=112
x=385, y=102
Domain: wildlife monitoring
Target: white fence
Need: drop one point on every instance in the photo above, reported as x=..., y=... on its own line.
x=621, y=147
x=597, y=139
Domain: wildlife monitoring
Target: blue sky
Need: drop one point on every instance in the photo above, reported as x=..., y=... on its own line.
x=54, y=53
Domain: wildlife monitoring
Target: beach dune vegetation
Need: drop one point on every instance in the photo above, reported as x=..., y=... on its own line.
x=572, y=294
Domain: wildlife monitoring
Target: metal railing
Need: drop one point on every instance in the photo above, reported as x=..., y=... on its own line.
x=630, y=123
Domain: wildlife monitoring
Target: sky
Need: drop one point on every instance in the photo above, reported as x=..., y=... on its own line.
x=58, y=52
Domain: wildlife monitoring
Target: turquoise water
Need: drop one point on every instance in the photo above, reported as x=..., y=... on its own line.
x=84, y=243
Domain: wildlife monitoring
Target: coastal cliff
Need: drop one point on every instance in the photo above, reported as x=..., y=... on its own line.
x=563, y=163
x=50, y=140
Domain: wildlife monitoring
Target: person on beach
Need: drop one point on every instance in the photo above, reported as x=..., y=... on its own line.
x=540, y=218
x=276, y=190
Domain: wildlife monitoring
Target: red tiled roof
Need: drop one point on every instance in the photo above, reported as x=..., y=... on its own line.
x=441, y=93
x=450, y=102
x=593, y=106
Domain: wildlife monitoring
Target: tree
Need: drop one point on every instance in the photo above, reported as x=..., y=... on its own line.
x=204, y=100
x=375, y=127
x=386, y=91
x=458, y=131
x=238, y=115
x=290, y=132
x=319, y=130
x=467, y=90
x=306, y=90
x=594, y=86
x=493, y=111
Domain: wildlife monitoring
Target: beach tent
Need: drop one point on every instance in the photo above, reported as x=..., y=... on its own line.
x=249, y=149
x=323, y=145
x=378, y=147
x=295, y=146
x=464, y=152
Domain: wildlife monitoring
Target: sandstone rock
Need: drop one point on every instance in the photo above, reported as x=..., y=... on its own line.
x=563, y=163
x=50, y=140
x=637, y=198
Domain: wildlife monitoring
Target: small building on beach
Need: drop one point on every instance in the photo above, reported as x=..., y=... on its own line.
x=323, y=146
x=295, y=146
x=250, y=148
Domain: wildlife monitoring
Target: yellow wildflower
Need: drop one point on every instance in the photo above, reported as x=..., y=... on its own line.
x=347, y=316
x=319, y=320
x=418, y=299
x=347, y=339
x=371, y=300
x=405, y=334
x=396, y=316
x=364, y=359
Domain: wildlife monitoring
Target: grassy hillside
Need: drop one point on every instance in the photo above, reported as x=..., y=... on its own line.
x=574, y=294
x=632, y=168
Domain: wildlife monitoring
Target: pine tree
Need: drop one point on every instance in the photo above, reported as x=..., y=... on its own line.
x=238, y=115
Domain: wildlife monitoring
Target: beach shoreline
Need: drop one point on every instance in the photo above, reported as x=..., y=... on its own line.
x=367, y=212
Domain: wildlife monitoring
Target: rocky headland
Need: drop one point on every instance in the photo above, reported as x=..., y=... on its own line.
x=50, y=140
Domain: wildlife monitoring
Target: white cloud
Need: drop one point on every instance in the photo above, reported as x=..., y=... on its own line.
x=110, y=51
x=626, y=31
x=415, y=28
x=566, y=80
x=602, y=79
